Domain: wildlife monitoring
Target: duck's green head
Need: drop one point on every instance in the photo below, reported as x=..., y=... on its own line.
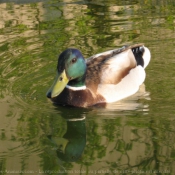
x=71, y=70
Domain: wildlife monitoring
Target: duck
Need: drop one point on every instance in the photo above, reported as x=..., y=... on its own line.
x=103, y=78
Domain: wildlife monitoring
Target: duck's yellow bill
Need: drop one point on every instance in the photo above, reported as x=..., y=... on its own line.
x=59, y=84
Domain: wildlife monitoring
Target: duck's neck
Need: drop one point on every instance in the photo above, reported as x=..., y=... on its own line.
x=78, y=83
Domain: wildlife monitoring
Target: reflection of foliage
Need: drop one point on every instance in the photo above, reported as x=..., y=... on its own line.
x=128, y=157
x=2, y=166
x=33, y=129
x=132, y=142
x=93, y=139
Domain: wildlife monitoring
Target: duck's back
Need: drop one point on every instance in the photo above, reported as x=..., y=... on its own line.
x=118, y=73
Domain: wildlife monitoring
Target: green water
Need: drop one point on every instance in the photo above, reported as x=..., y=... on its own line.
x=133, y=136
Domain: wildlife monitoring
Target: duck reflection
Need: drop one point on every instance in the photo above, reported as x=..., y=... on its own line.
x=70, y=147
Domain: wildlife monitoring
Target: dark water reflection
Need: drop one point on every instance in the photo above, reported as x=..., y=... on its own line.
x=132, y=136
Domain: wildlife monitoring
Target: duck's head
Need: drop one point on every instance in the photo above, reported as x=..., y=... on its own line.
x=71, y=69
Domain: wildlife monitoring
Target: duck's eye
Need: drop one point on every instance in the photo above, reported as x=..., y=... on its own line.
x=74, y=60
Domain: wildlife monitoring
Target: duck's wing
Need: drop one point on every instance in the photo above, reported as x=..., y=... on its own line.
x=117, y=69
x=111, y=66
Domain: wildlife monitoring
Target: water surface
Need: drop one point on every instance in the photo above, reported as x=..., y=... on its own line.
x=132, y=136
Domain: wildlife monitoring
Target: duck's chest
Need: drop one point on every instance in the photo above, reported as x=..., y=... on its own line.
x=79, y=98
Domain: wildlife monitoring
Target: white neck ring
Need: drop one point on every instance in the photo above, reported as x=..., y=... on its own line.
x=76, y=88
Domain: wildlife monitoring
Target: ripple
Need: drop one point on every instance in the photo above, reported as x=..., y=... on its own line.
x=31, y=37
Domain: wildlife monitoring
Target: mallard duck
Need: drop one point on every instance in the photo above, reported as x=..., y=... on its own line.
x=103, y=78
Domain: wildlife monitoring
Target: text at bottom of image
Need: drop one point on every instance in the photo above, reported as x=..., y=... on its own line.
x=85, y=171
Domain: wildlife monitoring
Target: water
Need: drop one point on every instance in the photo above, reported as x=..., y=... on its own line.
x=133, y=136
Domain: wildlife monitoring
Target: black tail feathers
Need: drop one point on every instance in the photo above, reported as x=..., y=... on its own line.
x=138, y=53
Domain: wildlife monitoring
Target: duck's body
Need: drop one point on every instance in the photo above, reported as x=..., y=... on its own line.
x=102, y=78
